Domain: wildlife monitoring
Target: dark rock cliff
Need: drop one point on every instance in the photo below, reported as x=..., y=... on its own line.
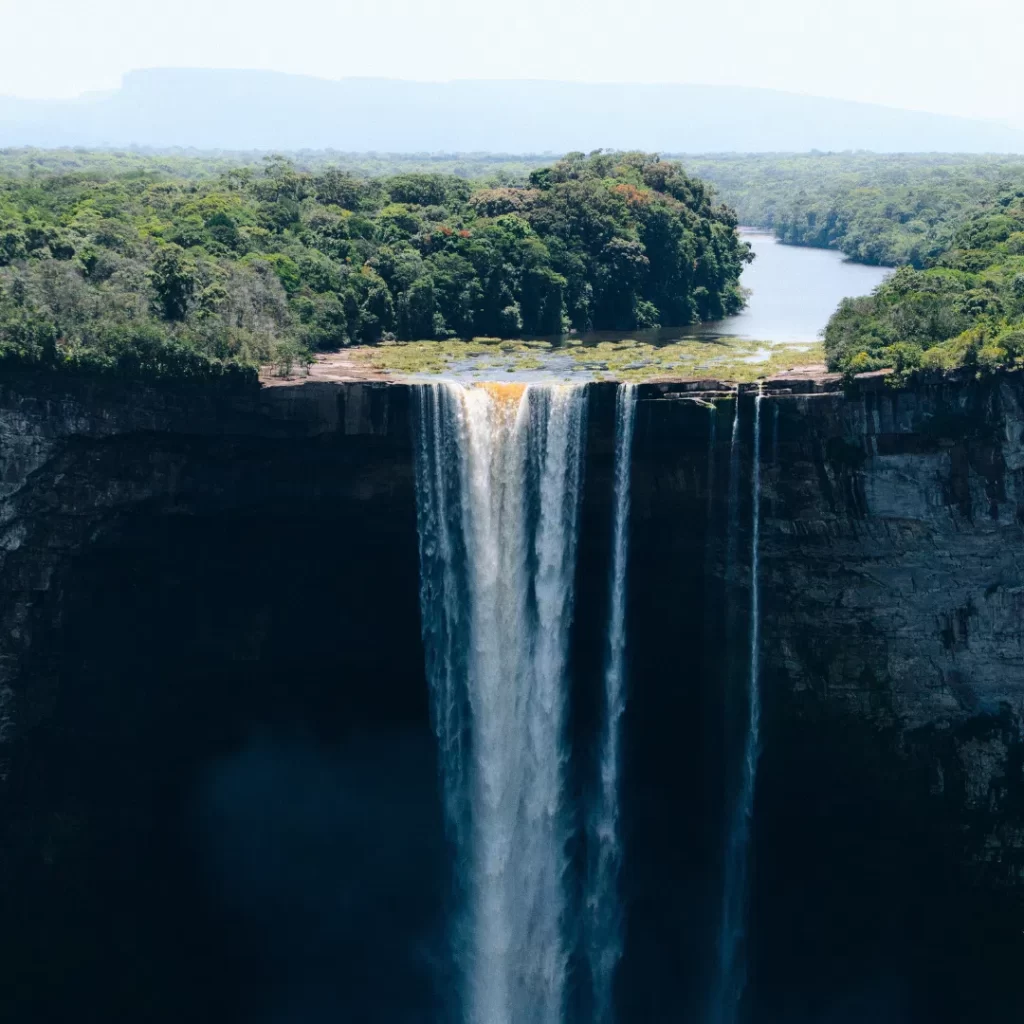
x=216, y=765
x=888, y=849
x=211, y=676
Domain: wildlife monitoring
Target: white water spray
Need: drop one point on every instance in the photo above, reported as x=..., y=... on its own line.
x=604, y=943
x=732, y=966
x=498, y=479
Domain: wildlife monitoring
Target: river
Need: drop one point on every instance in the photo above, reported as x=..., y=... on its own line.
x=794, y=289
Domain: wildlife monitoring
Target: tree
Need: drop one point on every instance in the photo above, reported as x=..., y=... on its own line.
x=174, y=281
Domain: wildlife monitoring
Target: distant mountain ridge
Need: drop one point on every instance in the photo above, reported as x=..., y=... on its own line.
x=222, y=109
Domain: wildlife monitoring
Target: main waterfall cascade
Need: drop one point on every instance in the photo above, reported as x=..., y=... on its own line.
x=499, y=471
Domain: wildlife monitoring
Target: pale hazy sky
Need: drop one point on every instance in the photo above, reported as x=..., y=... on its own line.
x=947, y=56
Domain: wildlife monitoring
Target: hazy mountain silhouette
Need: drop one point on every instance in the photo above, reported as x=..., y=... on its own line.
x=214, y=109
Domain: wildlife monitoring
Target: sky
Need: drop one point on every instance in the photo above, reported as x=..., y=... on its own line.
x=945, y=56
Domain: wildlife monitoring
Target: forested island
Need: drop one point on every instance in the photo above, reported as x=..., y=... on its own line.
x=192, y=270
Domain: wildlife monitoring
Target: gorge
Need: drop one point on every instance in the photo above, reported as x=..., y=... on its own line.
x=225, y=717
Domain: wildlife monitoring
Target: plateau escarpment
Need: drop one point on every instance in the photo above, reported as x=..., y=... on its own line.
x=210, y=656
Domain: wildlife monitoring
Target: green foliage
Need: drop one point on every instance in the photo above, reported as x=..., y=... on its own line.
x=158, y=265
x=174, y=281
x=881, y=209
x=967, y=309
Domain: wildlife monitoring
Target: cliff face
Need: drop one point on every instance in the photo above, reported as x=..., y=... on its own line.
x=893, y=628
x=208, y=604
x=78, y=458
x=888, y=839
x=212, y=676
x=893, y=579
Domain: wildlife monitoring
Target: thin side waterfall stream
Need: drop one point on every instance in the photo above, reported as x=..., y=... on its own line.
x=732, y=955
x=733, y=495
x=604, y=841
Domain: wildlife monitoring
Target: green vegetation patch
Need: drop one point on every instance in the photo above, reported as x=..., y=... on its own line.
x=885, y=209
x=967, y=310
x=726, y=358
x=730, y=359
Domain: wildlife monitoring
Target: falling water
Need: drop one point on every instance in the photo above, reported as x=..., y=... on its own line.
x=604, y=934
x=712, y=441
x=498, y=478
x=733, y=498
x=732, y=968
x=443, y=588
x=775, y=432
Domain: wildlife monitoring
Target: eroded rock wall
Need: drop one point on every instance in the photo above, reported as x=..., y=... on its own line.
x=894, y=581
x=211, y=675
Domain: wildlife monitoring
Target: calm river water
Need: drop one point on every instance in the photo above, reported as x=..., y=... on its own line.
x=793, y=292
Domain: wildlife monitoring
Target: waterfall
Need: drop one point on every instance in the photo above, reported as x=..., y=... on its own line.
x=443, y=589
x=604, y=947
x=732, y=967
x=498, y=481
x=712, y=440
x=775, y=432
x=733, y=497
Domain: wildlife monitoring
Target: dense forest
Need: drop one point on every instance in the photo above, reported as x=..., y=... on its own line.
x=966, y=309
x=882, y=209
x=188, y=270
